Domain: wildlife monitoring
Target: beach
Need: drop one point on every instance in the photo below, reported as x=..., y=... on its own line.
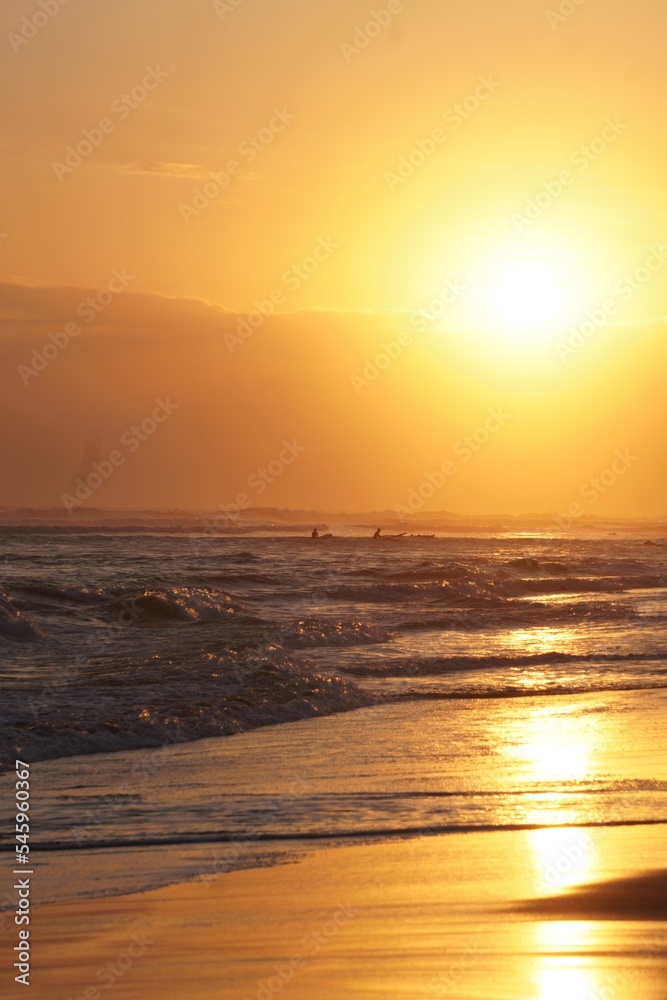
x=440, y=771
x=299, y=900
x=333, y=544
x=440, y=916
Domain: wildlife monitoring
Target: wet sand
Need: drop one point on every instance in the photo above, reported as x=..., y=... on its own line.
x=639, y=897
x=545, y=914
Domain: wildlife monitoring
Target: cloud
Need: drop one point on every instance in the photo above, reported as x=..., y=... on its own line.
x=192, y=171
x=27, y=302
x=27, y=306
x=30, y=311
x=291, y=378
x=180, y=171
x=35, y=307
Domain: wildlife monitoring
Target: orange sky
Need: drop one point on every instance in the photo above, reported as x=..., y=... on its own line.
x=346, y=170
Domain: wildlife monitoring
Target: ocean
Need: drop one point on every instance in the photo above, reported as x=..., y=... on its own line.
x=194, y=704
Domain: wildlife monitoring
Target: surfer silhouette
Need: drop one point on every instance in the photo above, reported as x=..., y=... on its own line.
x=378, y=533
x=315, y=533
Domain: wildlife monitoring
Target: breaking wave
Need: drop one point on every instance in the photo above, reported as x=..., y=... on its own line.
x=153, y=703
x=115, y=641
x=14, y=624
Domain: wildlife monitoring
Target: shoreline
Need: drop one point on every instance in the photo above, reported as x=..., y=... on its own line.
x=368, y=701
x=137, y=821
x=469, y=911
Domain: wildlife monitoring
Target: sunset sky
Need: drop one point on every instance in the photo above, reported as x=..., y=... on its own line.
x=470, y=193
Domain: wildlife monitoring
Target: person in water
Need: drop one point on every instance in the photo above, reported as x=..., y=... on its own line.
x=315, y=533
x=378, y=533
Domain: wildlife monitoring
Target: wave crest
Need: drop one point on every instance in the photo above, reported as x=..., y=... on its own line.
x=14, y=624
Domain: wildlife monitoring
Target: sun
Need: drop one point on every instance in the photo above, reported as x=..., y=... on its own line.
x=527, y=292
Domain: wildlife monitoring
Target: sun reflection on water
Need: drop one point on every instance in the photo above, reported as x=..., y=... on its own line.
x=561, y=979
x=555, y=750
x=560, y=745
x=543, y=639
x=565, y=971
x=562, y=857
x=556, y=743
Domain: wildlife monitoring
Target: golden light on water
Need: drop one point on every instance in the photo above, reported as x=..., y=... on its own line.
x=561, y=746
x=555, y=747
x=555, y=744
x=558, y=755
x=565, y=971
x=566, y=979
x=541, y=639
x=561, y=857
x=563, y=935
x=564, y=858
